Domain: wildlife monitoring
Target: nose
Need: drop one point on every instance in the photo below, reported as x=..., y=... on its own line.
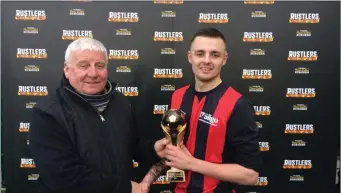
x=92, y=71
x=207, y=58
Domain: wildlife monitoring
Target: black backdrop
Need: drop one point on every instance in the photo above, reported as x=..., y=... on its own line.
x=320, y=111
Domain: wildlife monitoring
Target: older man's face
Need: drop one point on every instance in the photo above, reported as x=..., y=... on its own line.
x=87, y=72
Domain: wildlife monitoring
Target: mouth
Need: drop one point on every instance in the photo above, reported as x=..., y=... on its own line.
x=206, y=69
x=92, y=82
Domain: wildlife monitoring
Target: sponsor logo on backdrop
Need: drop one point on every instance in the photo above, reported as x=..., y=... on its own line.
x=167, y=73
x=302, y=55
x=259, y=124
x=258, y=37
x=300, y=107
x=302, y=70
x=30, y=15
x=31, y=68
x=32, y=91
x=27, y=163
x=168, y=1
x=303, y=33
x=262, y=110
x=213, y=18
x=33, y=176
x=264, y=146
x=167, y=51
x=262, y=181
x=128, y=91
x=24, y=127
x=297, y=164
x=259, y=14
x=28, y=142
x=77, y=12
x=36, y=53
x=298, y=143
x=30, y=105
x=304, y=18
x=257, y=52
x=256, y=74
x=162, y=36
x=30, y=30
x=256, y=88
x=135, y=164
x=123, y=69
x=168, y=14
x=75, y=34
x=123, y=32
x=123, y=17
x=160, y=109
x=167, y=87
x=299, y=129
x=259, y=2
x=296, y=178
x=123, y=54
x=161, y=180
x=301, y=93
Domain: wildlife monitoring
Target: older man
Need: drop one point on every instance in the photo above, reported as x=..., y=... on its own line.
x=81, y=136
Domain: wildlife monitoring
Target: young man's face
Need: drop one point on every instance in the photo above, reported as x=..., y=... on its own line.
x=207, y=56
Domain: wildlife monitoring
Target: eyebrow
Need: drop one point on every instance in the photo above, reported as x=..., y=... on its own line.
x=214, y=51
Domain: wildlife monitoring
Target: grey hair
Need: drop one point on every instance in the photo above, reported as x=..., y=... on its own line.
x=85, y=44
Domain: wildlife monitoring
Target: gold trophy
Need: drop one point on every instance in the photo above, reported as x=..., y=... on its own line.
x=173, y=125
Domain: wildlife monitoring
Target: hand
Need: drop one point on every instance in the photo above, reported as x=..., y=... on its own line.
x=135, y=187
x=179, y=157
x=160, y=146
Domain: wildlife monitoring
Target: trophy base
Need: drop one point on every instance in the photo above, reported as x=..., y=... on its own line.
x=175, y=175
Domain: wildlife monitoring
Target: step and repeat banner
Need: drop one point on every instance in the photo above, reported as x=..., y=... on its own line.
x=283, y=56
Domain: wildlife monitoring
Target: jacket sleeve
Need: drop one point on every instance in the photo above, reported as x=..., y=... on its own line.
x=58, y=163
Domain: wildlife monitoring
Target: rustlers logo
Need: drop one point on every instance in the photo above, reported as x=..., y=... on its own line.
x=160, y=109
x=24, y=127
x=31, y=53
x=27, y=163
x=299, y=129
x=30, y=105
x=77, y=12
x=301, y=70
x=258, y=37
x=260, y=14
x=167, y=73
x=167, y=87
x=161, y=36
x=298, y=143
x=168, y=14
x=30, y=15
x=167, y=51
x=123, y=32
x=256, y=88
x=30, y=30
x=32, y=68
x=264, y=146
x=123, y=69
x=75, y=34
x=302, y=55
x=123, y=17
x=257, y=52
x=208, y=118
x=257, y=74
x=32, y=91
x=259, y=1
x=135, y=164
x=297, y=164
x=123, y=54
x=168, y=1
x=300, y=107
x=262, y=110
x=128, y=91
x=262, y=181
x=259, y=124
x=304, y=18
x=33, y=176
x=213, y=18
x=161, y=180
x=297, y=178
x=303, y=33
x=301, y=93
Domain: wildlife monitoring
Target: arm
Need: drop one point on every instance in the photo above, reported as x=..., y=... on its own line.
x=59, y=165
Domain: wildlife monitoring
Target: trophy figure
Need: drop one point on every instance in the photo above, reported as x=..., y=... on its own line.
x=173, y=125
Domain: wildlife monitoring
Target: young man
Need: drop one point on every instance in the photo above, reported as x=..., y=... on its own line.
x=221, y=147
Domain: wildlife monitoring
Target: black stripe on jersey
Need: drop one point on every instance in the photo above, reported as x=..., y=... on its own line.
x=186, y=107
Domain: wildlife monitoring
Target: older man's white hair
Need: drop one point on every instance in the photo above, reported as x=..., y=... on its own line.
x=82, y=44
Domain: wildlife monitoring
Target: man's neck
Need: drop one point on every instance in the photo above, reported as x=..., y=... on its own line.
x=201, y=86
